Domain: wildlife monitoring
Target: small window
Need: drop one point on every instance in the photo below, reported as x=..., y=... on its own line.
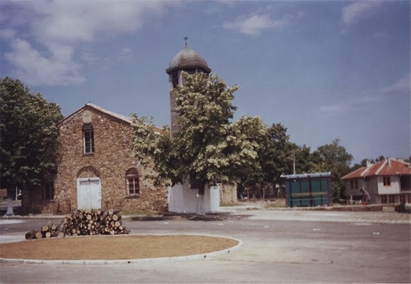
x=386, y=181
x=174, y=79
x=48, y=191
x=88, y=139
x=391, y=198
x=402, y=198
x=384, y=199
x=354, y=183
x=132, y=182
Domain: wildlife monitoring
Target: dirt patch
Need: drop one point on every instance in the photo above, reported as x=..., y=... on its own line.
x=114, y=247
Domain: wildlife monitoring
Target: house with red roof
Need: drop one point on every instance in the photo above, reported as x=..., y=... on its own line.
x=387, y=181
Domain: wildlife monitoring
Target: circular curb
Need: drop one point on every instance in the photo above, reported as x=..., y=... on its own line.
x=137, y=260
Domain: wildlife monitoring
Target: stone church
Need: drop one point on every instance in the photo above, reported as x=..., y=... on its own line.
x=97, y=170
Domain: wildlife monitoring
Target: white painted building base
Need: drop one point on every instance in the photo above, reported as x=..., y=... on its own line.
x=183, y=199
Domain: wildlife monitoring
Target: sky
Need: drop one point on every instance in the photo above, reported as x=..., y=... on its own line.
x=326, y=70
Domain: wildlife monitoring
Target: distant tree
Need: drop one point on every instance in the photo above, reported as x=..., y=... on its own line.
x=356, y=166
x=335, y=159
x=380, y=158
x=28, y=137
x=208, y=148
x=305, y=161
x=273, y=156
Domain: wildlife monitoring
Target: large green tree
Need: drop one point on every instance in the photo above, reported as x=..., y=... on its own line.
x=208, y=148
x=335, y=159
x=28, y=136
x=273, y=156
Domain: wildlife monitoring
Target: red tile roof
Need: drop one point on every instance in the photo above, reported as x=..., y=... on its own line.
x=386, y=167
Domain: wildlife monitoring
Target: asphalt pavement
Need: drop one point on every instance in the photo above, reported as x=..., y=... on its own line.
x=278, y=246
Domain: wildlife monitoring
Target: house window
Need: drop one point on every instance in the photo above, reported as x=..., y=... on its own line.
x=354, y=183
x=403, y=198
x=48, y=191
x=132, y=182
x=386, y=181
x=391, y=198
x=88, y=139
x=384, y=199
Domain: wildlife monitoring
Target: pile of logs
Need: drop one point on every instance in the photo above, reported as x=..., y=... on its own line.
x=47, y=231
x=83, y=222
x=94, y=222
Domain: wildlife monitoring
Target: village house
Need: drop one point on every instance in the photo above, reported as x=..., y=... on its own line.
x=387, y=181
x=96, y=168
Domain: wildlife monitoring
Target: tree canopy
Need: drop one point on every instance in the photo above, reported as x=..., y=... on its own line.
x=28, y=136
x=335, y=159
x=208, y=148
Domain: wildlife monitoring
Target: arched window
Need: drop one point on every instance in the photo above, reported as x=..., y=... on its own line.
x=88, y=139
x=132, y=182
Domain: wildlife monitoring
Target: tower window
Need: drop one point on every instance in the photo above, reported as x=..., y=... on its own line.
x=88, y=139
x=174, y=79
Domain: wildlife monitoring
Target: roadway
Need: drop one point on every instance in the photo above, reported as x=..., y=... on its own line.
x=278, y=247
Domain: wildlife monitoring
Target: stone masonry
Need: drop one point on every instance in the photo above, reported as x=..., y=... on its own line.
x=110, y=162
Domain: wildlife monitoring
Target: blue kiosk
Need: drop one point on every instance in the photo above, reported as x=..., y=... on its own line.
x=305, y=190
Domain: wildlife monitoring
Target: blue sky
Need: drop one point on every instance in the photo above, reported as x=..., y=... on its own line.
x=324, y=69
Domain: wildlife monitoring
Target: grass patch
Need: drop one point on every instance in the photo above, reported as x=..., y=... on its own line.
x=229, y=204
x=274, y=205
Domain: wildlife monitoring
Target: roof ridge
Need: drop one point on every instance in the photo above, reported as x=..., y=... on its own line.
x=119, y=116
x=381, y=167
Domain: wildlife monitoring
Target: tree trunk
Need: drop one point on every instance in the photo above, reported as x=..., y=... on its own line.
x=10, y=196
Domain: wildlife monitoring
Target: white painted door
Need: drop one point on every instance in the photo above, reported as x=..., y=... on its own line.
x=88, y=193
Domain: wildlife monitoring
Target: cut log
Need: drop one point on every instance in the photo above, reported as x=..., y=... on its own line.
x=58, y=235
x=38, y=235
x=31, y=235
x=116, y=217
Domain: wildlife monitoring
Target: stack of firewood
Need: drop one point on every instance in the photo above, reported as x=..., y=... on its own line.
x=94, y=222
x=47, y=231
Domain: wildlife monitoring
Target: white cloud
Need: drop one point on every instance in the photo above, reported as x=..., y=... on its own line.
x=359, y=10
x=56, y=28
x=37, y=69
x=350, y=105
x=253, y=25
x=402, y=85
x=125, y=51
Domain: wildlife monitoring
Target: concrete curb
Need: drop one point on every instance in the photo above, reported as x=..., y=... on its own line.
x=134, y=261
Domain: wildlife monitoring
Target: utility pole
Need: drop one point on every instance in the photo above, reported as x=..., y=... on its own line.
x=293, y=156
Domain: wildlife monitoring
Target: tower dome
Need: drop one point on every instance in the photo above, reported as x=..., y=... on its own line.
x=187, y=59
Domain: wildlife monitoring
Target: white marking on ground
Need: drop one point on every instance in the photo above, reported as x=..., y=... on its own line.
x=8, y=222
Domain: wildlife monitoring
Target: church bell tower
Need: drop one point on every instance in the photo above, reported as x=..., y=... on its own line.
x=186, y=60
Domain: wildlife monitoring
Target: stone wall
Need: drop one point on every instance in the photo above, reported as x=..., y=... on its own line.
x=110, y=162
